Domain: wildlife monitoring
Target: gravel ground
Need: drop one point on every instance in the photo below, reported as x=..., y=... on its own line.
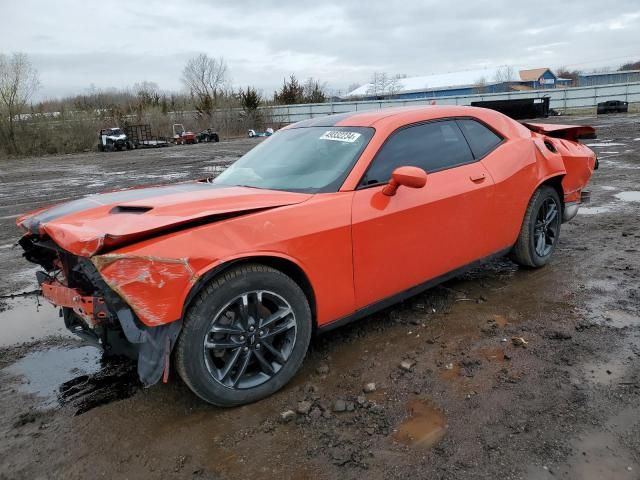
x=500, y=373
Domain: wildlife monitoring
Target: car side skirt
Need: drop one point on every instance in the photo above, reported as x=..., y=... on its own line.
x=410, y=292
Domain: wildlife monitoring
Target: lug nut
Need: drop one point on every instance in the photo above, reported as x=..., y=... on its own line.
x=261, y=332
x=252, y=328
x=242, y=338
x=257, y=346
x=246, y=349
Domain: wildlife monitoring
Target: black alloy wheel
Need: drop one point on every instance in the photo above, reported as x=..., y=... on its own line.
x=244, y=335
x=250, y=339
x=546, y=229
x=540, y=229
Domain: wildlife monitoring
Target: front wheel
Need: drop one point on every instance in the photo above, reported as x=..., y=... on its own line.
x=244, y=337
x=540, y=229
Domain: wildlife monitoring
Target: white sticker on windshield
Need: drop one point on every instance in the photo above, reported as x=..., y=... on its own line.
x=340, y=136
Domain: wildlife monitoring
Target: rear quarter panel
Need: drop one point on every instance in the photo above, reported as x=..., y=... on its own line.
x=579, y=162
x=515, y=171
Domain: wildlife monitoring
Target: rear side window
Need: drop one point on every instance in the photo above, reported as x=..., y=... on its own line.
x=481, y=139
x=430, y=146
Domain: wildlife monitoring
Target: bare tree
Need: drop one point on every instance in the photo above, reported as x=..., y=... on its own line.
x=630, y=66
x=314, y=91
x=372, y=88
x=205, y=78
x=504, y=74
x=384, y=84
x=564, y=72
x=480, y=85
x=394, y=85
x=18, y=82
x=148, y=93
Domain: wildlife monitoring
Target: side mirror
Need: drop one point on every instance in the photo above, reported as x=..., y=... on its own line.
x=412, y=177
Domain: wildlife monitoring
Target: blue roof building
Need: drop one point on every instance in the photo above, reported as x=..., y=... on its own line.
x=468, y=82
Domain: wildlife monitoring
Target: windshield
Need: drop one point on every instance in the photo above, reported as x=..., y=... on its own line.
x=115, y=132
x=310, y=159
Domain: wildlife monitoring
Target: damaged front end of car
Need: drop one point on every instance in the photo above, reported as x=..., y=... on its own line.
x=94, y=311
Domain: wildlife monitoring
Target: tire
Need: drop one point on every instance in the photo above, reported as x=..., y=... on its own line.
x=244, y=367
x=538, y=239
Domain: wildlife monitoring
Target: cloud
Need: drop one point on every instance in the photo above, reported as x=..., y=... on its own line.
x=75, y=44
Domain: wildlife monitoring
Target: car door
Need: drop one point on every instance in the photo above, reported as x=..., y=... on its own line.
x=416, y=235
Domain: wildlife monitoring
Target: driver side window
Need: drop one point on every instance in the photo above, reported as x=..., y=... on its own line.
x=431, y=146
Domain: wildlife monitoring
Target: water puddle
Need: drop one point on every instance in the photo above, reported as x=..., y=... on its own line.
x=628, y=196
x=621, y=319
x=24, y=319
x=613, y=370
x=605, y=144
x=608, y=188
x=76, y=376
x=599, y=454
x=425, y=427
x=593, y=210
x=41, y=373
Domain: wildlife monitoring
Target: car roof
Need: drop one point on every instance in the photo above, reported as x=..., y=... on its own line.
x=369, y=118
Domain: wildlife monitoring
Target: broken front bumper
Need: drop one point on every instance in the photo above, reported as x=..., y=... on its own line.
x=96, y=313
x=91, y=309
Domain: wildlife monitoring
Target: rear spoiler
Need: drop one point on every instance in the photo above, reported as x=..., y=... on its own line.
x=568, y=132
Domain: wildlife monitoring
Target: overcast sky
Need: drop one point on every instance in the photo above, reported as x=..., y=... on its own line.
x=75, y=44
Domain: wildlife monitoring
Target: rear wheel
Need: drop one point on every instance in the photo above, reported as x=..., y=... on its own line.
x=244, y=337
x=540, y=229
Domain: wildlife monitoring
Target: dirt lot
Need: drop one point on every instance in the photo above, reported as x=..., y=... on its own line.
x=469, y=401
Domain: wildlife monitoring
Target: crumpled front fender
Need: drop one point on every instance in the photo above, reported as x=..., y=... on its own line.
x=154, y=287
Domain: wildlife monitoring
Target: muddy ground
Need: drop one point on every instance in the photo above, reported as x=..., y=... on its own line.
x=458, y=393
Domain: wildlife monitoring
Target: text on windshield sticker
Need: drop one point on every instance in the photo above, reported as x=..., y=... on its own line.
x=340, y=136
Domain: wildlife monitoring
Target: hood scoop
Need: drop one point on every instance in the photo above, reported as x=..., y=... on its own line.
x=134, y=209
x=99, y=223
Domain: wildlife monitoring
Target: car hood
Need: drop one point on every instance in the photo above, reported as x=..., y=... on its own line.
x=98, y=223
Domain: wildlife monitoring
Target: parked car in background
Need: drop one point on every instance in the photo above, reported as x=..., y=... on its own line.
x=253, y=133
x=325, y=222
x=613, y=106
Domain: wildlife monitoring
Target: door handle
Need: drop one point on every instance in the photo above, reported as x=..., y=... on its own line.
x=480, y=177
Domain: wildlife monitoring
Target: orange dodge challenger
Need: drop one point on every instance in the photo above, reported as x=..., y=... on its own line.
x=327, y=221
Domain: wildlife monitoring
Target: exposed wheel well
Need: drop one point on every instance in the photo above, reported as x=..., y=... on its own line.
x=556, y=183
x=285, y=266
